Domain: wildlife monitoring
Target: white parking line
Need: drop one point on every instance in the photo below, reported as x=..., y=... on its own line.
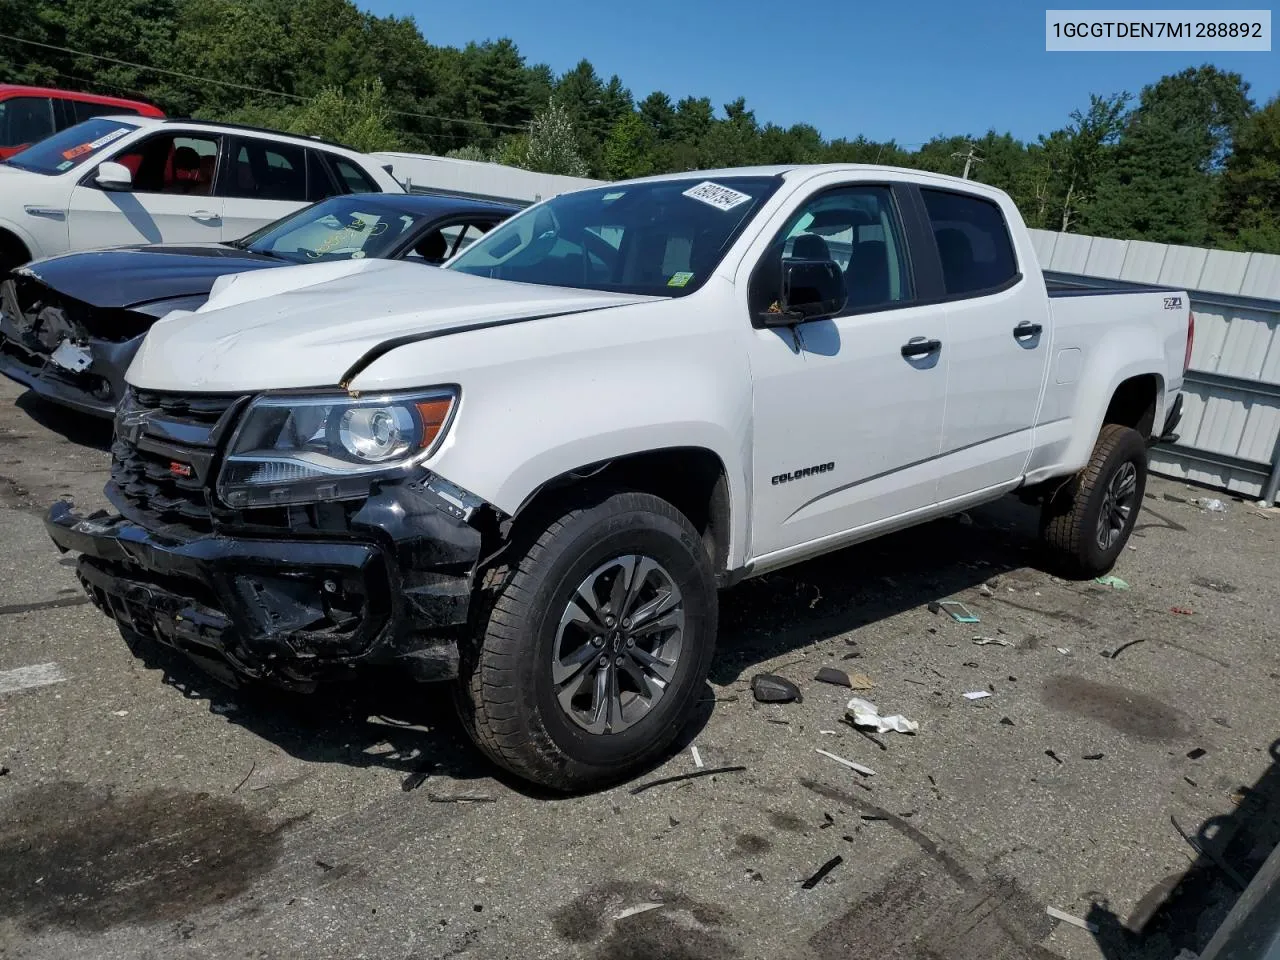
x=23, y=678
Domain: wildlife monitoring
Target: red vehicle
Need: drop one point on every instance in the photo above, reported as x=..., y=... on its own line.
x=29, y=114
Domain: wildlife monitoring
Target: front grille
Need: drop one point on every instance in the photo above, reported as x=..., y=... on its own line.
x=164, y=457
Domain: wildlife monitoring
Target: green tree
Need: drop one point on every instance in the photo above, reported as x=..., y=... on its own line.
x=360, y=119
x=551, y=145
x=1247, y=216
x=629, y=149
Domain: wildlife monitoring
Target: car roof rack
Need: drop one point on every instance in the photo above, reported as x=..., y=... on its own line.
x=253, y=129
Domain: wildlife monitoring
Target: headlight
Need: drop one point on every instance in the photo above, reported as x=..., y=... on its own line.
x=290, y=449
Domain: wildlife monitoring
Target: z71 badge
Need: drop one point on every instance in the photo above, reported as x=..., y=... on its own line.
x=1173, y=303
x=803, y=472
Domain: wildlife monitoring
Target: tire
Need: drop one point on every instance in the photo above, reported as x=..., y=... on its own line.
x=1114, y=481
x=530, y=682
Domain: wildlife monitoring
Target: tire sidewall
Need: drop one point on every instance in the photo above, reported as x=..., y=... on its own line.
x=1130, y=449
x=590, y=543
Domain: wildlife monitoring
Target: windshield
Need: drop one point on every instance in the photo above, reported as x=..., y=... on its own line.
x=661, y=238
x=72, y=147
x=340, y=228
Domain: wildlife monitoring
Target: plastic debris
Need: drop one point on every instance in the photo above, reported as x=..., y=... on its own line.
x=986, y=591
x=461, y=798
x=697, y=757
x=857, y=767
x=769, y=688
x=822, y=872
x=988, y=641
x=1054, y=757
x=1068, y=918
x=1115, y=583
x=1093, y=756
x=978, y=695
x=1182, y=611
x=1197, y=753
x=1125, y=646
x=865, y=714
x=1212, y=504
x=833, y=676
x=414, y=780
x=1005, y=721
x=1065, y=651
x=955, y=609
x=638, y=908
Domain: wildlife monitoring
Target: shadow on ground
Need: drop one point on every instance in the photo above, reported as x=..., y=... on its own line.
x=77, y=427
x=381, y=719
x=1183, y=911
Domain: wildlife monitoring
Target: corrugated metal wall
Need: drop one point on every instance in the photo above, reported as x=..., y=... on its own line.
x=1230, y=432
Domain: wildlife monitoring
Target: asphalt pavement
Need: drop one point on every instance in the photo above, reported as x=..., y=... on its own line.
x=147, y=812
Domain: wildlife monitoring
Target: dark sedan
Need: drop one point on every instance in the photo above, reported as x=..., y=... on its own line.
x=70, y=325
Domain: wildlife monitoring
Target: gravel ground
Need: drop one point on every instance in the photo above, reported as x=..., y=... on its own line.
x=147, y=812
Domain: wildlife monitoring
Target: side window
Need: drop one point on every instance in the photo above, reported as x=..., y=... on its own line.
x=973, y=242
x=438, y=245
x=858, y=228
x=25, y=120
x=87, y=111
x=265, y=170
x=172, y=163
x=320, y=183
x=352, y=178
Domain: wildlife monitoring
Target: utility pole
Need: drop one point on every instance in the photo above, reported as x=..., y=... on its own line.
x=969, y=158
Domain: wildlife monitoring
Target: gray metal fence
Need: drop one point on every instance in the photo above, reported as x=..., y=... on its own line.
x=1230, y=432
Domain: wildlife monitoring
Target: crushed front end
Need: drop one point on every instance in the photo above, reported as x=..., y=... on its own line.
x=292, y=593
x=63, y=349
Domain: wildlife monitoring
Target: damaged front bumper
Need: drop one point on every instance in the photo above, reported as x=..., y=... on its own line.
x=93, y=390
x=291, y=611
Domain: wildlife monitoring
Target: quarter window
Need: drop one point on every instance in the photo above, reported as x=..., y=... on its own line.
x=87, y=111
x=353, y=179
x=973, y=242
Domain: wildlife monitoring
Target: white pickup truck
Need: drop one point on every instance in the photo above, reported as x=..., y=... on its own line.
x=531, y=470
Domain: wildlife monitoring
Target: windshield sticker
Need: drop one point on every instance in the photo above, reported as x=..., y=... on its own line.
x=714, y=195
x=65, y=165
x=680, y=279
x=102, y=141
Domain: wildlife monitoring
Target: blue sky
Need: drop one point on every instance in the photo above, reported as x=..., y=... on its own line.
x=905, y=71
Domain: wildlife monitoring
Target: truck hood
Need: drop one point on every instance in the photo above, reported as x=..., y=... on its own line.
x=306, y=326
x=125, y=277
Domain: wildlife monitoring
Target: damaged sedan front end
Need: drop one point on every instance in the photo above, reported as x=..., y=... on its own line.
x=281, y=537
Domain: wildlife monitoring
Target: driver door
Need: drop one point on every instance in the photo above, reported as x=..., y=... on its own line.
x=848, y=411
x=169, y=202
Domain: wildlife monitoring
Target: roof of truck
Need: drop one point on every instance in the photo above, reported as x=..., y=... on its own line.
x=807, y=170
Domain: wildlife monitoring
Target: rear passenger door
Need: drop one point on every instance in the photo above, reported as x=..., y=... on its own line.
x=997, y=342
x=262, y=181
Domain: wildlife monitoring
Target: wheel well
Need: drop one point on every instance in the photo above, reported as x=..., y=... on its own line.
x=691, y=479
x=13, y=252
x=1134, y=404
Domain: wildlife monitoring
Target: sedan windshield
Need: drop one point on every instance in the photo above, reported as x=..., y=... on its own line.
x=659, y=238
x=340, y=228
x=71, y=147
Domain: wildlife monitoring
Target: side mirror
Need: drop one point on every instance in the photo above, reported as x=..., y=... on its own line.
x=113, y=176
x=811, y=290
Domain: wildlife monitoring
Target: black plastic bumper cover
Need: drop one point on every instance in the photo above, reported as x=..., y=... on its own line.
x=288, y=611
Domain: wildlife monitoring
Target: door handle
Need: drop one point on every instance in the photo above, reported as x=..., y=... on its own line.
x=204, y=216
x=1027, y=329
x=918, y=347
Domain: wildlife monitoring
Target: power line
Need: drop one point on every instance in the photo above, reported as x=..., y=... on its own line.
x=242, y=86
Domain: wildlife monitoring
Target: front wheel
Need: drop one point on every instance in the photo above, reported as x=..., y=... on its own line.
x=598, y=640
x=1087, y=522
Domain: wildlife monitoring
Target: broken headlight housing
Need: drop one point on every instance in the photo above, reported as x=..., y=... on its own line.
x=297, y=449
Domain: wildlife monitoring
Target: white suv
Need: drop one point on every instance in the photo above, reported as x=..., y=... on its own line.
x=118, y=180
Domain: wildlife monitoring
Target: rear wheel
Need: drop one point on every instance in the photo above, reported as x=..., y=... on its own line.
x=599, y=636
x=1087, y=522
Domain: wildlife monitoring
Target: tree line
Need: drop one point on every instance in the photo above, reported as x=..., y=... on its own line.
x=1191, y=159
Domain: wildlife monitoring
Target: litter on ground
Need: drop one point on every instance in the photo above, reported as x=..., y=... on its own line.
x=822, y=872
x=864, y=713
x=955, y=609
x=988, y=641
x=978, y=695
x=857, y=767
x=697, y=757
x=1068, y=918
x=768, y=688
x=1115, y=583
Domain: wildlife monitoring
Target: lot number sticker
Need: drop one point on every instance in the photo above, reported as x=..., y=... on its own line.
x=712, y=194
